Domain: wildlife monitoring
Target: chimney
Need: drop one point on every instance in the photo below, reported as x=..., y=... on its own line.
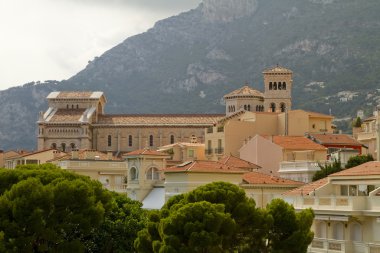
x=90, y=154
x=109, y=155
x=74, y=154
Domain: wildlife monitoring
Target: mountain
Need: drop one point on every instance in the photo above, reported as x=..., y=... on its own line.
x=186, y=63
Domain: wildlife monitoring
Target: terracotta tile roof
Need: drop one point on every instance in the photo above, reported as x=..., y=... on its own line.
x=26, y=154
x=204, y=167
x=82, y=155
x=277, y=69
x=366, y=169
x=341, y=139
x=145, y=152
x=307, y=189
x=261, y=178
x=74, y=94
x=296, y=143
x=157, y=119
x=231, y=160
x=67, y=115
x=244, y=91
x=181, y=144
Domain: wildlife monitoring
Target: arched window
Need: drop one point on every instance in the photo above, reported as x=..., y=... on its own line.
x=279, y=86
x=270, y=85
x=284, y=85
x=262, y=108
x=356, y=232
x=257, y=108
x=273, y=107
x=233, y=108
x=152, y=174
x=133, y=173
x=77, y=106
x=338, y=231
x=109, y=140
x=151, y=140
x=63, y=147
x=67, y=106
x=283, y=107
x=72, y=106
x=54, y=145
x=72, y=145
x=249, y=107
x=275, y=86
x=171, y=139
x=245, y=107
x=130, y=142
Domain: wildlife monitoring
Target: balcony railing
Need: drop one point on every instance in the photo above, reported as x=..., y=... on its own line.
x=219, y=151
x=299, y=166
x=327, y=245
x=208, y=151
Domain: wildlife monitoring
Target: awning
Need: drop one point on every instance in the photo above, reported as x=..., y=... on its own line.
x=155, y=199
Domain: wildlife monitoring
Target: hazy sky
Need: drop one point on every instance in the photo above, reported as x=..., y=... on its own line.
x=54, y=39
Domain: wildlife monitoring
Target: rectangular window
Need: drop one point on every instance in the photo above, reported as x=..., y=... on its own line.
x=109, y=141
x=130, y=143
x=344, y=190
x=220, y=129
x=210, y=130
x=191, y=153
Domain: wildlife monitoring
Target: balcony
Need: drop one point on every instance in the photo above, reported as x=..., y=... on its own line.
x=219, y=151
x=362, y=136
x=331, y=245
x=208, y=151
x=298, y=166
x=122, y=188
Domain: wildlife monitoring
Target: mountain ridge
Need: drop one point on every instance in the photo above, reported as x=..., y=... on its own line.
x=186, y=63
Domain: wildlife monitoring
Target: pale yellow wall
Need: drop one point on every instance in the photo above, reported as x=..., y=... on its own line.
x=304, y=155
x=37, y=158
x=265, y=194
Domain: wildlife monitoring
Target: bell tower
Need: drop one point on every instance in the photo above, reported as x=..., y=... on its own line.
x=278, y=83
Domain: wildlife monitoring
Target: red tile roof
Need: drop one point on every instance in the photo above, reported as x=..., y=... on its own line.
x=231, y=160
x=204, y=167
x=296, y=143
x=338, y=139
x=308, y=189
x=366, y=169
x=82, y=155
x=261, y=178
x=147, y=152
x=160, y=119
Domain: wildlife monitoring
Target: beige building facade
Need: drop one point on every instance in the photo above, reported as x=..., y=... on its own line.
x=76, y=120
x=39, y=157
x=347, y=209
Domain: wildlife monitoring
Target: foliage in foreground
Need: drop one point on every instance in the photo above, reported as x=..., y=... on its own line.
x=46, y=209
x=357, y=160
x=218, y=217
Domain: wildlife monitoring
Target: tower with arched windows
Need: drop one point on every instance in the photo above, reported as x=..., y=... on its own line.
x=278, y=89
x=245, y=98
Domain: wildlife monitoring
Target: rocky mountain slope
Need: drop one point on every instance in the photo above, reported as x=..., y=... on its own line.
x=186, y=63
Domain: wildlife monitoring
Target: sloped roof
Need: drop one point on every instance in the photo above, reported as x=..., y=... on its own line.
x=245, y=91
x=370, y=119
x=261, y=178
x=231, y=160
x=160, y=119
x=204, y=167
x=181, y=144
x=366, y=169
x=147, y=152
x=341, y=139
x=277, y=69
x=75, y=95
x=67, y=115
x=308, y=189
x=296, y=143
x=82, y=155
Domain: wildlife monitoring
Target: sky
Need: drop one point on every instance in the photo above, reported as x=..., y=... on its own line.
x=54, y=39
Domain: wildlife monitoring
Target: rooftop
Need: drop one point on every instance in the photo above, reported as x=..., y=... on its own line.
x=67, y=115
x=231, y=160
x=261, y=178
x=296, y=143
x=341, y=139
x=146, y=152
x=365, y=169
x=83, y=155
x=309, y=188
x=244, y=91
x=277, y=69
x=160, y=119
x=75, y=95
x=205, y=167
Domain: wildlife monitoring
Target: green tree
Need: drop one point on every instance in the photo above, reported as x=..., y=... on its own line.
x=251, y=229
x=354, y=161
x=44, y=208
x=327, y=169
x=290, y=231
x=357, y=122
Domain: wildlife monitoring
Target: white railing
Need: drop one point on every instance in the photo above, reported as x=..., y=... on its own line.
x=319, y=245
x=117, y=188
x=299, y=166
x=343, y=203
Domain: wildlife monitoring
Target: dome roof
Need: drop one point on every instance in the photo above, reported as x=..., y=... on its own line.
x=244, y=91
